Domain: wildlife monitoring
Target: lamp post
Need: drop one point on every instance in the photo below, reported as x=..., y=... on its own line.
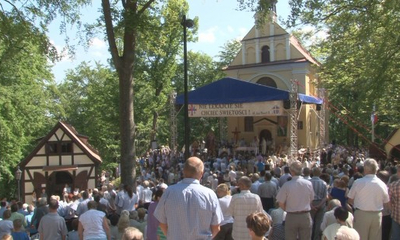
x=186, y=23
x=18, y=174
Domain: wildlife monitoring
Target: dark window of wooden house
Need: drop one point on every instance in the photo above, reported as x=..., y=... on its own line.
x=66, y=147
x=63, y=178
x=248, y=124
x=52, y=148
x=265, y=54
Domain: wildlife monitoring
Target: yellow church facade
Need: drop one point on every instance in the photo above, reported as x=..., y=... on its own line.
x=272, y=57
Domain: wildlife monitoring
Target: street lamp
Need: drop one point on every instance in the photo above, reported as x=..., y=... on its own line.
x=18, y=174
x=186, y=23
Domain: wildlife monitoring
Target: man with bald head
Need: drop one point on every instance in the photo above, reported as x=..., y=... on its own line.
x=329, y=216
x=188, y=210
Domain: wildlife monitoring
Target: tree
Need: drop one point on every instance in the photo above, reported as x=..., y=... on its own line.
x=229, y=52
x=158, y=51
x=89, y=96
x=202, y=70
x=122, y=20
x=359, y=70
x=27, y=105
x=128, y=21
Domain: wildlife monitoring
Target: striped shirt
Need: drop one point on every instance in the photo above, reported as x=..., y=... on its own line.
x=189, y=209
x=320, y=188
x=242, y=204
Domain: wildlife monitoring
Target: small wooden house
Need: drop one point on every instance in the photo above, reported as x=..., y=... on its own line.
x=62, y=157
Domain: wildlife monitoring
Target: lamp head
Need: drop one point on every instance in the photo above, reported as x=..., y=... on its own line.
x=18, y=174
x=189, y=23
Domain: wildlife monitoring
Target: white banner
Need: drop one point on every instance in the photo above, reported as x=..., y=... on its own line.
x=270, y=108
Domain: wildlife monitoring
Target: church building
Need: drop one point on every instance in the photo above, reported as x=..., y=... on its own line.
x=271, y=56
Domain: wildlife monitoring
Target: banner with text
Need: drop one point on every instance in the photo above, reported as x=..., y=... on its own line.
x=270, y=108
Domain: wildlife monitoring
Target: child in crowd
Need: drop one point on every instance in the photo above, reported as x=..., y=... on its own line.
x=73, y=234
x=6, y=225
x=114, y=228
x=18, y=234
x=258, y=224
x=132, y=233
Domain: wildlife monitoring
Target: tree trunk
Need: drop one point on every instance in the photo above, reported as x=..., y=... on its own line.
x=127, y=126
x=124, y=66
x=154, y=127
x=155, y=117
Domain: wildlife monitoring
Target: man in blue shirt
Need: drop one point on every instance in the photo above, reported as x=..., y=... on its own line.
x=188, y=210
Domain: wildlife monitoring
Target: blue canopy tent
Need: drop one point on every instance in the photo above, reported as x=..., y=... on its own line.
x=230, y=90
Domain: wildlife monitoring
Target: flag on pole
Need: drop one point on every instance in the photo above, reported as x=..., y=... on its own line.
x=374, y=118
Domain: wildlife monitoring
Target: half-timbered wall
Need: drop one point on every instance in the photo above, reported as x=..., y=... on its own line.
x=59, y=154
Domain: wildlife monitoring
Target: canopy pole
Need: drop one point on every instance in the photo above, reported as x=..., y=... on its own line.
x=321, y=95
x=293, y=120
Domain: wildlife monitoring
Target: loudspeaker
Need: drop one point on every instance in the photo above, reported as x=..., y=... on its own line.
x=286, y=104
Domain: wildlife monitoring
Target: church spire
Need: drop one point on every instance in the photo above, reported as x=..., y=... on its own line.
x=273, y=9
x=266, y=11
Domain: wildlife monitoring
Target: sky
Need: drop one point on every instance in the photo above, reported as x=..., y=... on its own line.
x=219, y=22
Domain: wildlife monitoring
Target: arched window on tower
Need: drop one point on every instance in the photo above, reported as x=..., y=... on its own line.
x=265, y=54
x=267, y=81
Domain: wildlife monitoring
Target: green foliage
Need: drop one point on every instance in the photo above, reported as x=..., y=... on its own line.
x=360, y=60
x=159, y=46
x=89, y=96
x=116, y=182
x=145, y=63
x=27, y=105
x=261, y=7
x=229, y=52
x=202, y=70
x=33, y=18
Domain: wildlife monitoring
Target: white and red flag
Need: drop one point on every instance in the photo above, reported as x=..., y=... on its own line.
x=374, y=118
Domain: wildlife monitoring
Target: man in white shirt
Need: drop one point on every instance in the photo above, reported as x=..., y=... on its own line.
x=232, y=174
x=146, y=195
x=368, y=195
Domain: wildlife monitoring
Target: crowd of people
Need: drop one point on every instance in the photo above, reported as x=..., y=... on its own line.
x=338, y=195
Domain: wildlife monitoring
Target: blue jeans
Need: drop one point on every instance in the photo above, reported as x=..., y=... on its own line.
x=395, y=230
